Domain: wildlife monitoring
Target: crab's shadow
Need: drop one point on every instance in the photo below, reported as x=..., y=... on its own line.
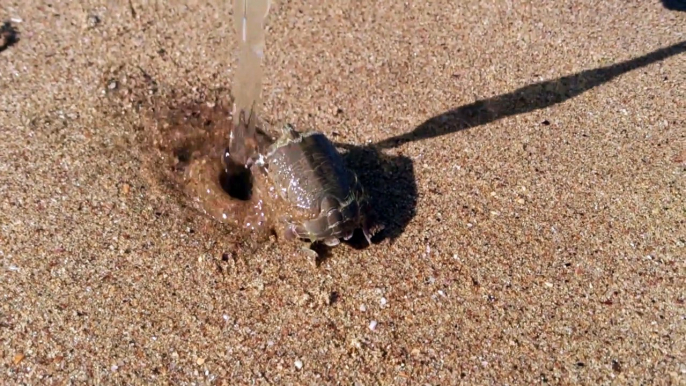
x=390, y=184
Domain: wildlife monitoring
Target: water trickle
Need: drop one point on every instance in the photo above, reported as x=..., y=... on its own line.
x=249, y=18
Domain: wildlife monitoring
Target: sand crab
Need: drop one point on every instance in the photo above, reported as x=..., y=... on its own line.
x=312, y=195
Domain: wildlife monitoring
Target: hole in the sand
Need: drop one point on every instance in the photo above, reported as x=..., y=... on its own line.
x=183, y=155
x=236, y=180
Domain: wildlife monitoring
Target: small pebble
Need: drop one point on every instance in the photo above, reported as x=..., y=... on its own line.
x=372, y=325
x=298, y=364
x=363, y=308
x=18, y=358
x=200, y=361
x=383, y=302
x=92, y=21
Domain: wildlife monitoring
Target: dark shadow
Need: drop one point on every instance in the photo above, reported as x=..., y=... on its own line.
x=390, y=184
x=323, y=253
x=675, y=5
x=9, y=36
x=526, y=99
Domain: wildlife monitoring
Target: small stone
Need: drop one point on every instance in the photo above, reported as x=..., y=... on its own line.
x=363, y=308
x=92, y=21
x=372, y=325
x=298, y=364
x=125, y=189
x=200, y=361
x=383, y=302
x=113, y=85
x=18, y=358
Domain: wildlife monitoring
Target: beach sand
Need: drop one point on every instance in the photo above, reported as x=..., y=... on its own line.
x=528, y=162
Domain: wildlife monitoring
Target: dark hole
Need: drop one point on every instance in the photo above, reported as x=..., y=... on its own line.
x=333, y=297
x=183, y=155
x=236, y=180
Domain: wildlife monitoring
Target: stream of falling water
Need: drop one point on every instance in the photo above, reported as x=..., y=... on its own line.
x=249, y=18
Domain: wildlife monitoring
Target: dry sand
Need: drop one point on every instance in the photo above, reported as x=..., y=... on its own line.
x=528, y=161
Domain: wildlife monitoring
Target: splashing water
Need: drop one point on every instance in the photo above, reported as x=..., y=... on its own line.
x=249, y=18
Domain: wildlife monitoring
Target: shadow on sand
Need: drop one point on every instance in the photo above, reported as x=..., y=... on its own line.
x=675, y=5
x=526, y=99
